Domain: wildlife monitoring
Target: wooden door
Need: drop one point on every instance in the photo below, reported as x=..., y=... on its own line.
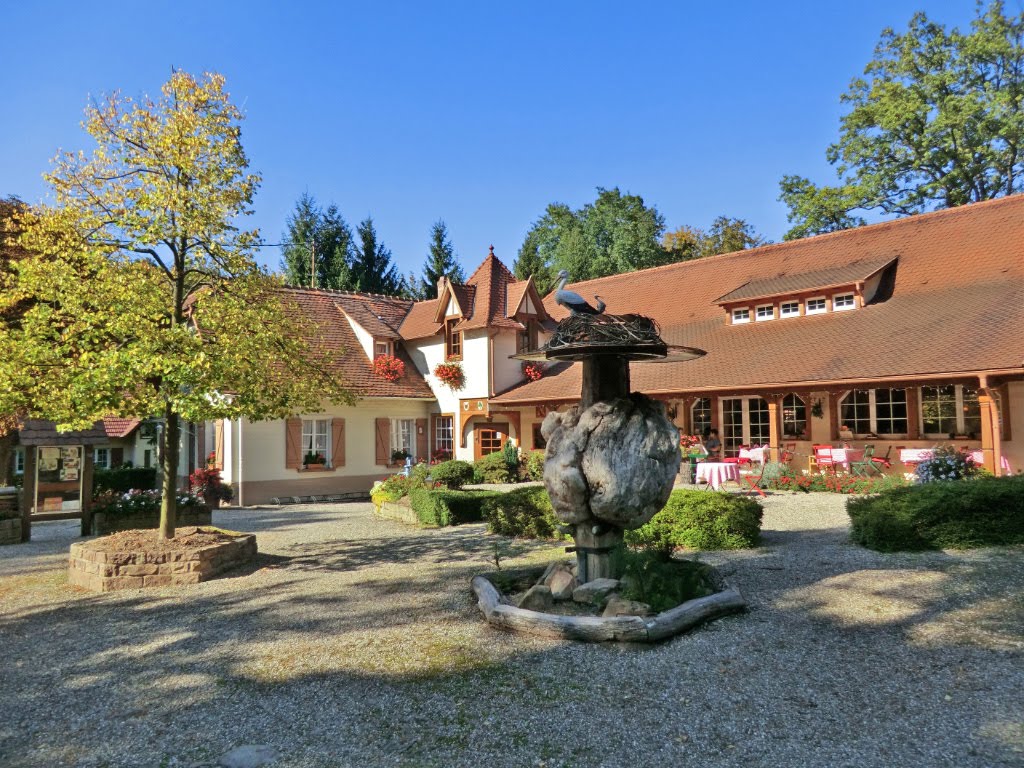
x=489, y=437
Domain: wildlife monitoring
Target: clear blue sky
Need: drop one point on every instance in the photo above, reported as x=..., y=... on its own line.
x=476, y=113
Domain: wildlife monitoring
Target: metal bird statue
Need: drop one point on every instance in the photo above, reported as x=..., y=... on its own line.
x=573, y=301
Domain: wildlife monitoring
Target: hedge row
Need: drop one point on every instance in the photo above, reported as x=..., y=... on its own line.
x=124, y=479
x=701, y=520
x=988, y=511
x=440, y=507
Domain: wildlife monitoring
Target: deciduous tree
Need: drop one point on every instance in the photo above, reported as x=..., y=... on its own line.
x=937, y=121
x=147, y=300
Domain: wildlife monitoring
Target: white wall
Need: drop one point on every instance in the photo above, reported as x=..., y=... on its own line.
x=363, y=336
x=506, y=370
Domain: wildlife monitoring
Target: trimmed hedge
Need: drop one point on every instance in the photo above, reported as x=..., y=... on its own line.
x=987, y=511
x=124, y=479
x=452, y=474
x=701, y=520
x=493, y=468
x=441, y=507
x=534, y=465
x=523, y=513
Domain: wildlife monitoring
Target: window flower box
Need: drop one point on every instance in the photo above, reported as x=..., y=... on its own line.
x=450, y=374
x=388, y=367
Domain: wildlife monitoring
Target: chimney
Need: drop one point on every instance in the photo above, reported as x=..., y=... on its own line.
x=440, y=284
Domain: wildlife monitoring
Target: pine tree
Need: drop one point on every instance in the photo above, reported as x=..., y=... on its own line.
x=320, y=236
x=530, y=262
x=372, y=270
x=441, y=260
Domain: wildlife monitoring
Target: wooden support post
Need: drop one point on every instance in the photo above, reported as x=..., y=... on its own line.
x=989, y=431
x=605, y=378
x=595, y=565
x=773, y=428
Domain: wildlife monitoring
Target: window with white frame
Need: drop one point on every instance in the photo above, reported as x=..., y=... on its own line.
x=403, y=436
x=765, y=312
x=794, y=415
x=816, y=305
x=789, y=309
x=19, y=461
x=951, y=409
x=745, y=421
x=316, y=438
x=875, y=411
x=700, y=415
x=101, y=458
x=444, y=435
x=843, y=301
x=741, y=315
x=381, y=348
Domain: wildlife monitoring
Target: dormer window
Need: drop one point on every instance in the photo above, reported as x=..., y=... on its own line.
x=816, y=306
x=740, y=316
x=842, y=301
x=381, y=348
x=765, y=312
x=789, y=309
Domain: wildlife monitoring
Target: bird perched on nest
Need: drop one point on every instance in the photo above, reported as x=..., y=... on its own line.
x=573, y=301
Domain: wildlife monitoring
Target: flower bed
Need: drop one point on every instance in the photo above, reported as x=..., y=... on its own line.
x=133, y=509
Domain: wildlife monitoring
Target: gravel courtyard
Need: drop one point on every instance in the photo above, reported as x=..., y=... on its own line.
x=355, y=641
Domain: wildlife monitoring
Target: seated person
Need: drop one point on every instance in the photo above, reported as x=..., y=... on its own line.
x=712, y=445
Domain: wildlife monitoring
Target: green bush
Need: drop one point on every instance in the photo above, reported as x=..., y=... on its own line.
x=492, y=468
x=441, y=507
x=523, y=513
x=701, y=520
x=653, y=577
x=123, y=479
x=987, y=511
x=535, y=465
x=452, y=474
x=391, y=489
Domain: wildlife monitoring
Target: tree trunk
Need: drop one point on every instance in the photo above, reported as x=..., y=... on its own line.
x=6, y=456
x=171, y=439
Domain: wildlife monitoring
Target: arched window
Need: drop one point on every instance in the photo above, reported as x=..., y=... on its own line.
x=794, y=416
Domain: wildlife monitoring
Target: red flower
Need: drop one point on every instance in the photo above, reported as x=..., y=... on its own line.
x=533, y=371
x=388, y=367
x=450, y=374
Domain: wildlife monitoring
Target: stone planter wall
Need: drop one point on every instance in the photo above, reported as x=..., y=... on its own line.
x=103, y=523
x=10, y=517
x=92, y=568
x=399, y=510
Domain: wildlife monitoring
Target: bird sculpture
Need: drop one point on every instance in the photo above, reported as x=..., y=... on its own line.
x=573, y=301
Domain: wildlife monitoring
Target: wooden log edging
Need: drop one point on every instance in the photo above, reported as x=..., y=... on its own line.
x=597, y=629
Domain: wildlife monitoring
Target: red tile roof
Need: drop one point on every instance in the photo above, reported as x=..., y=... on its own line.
x=956, y=307
x=782, y=283
x=117, y=427
x=490, y=281
x=331, y=333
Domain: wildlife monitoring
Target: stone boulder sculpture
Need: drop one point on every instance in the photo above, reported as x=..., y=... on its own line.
x=612, y=463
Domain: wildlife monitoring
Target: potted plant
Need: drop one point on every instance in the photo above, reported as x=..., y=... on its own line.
x=450, y=374
x=399, y=455
x=314, y=461
x=533, y=370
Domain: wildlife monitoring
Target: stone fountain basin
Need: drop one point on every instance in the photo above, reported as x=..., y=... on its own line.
x=600, y=629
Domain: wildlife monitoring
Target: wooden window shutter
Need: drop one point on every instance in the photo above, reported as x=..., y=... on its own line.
x=337, y=442
x=422, y=440
x=293, y=443
x=383, y=441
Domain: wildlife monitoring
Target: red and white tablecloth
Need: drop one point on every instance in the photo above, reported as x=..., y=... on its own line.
x=844, y=456
x=917, y=455
x=714, y=473
x=754, y=454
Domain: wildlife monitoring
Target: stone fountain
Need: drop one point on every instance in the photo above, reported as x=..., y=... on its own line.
x=610, y=466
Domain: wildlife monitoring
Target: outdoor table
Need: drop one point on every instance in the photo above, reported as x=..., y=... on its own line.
x=914, y=456
x=844, y=456
x=755, y=455
x=714, y=473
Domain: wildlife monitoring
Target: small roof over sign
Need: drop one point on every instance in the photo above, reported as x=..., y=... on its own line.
x=40, y=432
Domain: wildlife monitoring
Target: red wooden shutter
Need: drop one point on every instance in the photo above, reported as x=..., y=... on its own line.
x=422, y=445
x=293, y=443
x=383, y=441
x=337, y=442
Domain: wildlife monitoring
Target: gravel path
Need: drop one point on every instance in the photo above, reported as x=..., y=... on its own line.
x=356, y=642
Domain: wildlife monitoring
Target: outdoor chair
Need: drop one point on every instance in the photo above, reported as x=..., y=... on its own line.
x=883, y=461
x=867, y=464
x=823, y=458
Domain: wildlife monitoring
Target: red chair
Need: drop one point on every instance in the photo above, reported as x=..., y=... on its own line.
x=823, y=458
x=883, y=461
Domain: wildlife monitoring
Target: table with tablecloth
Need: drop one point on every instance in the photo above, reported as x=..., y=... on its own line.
x=756, y=455
x=844, y=456
x=714, y=473
x=914, y=456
